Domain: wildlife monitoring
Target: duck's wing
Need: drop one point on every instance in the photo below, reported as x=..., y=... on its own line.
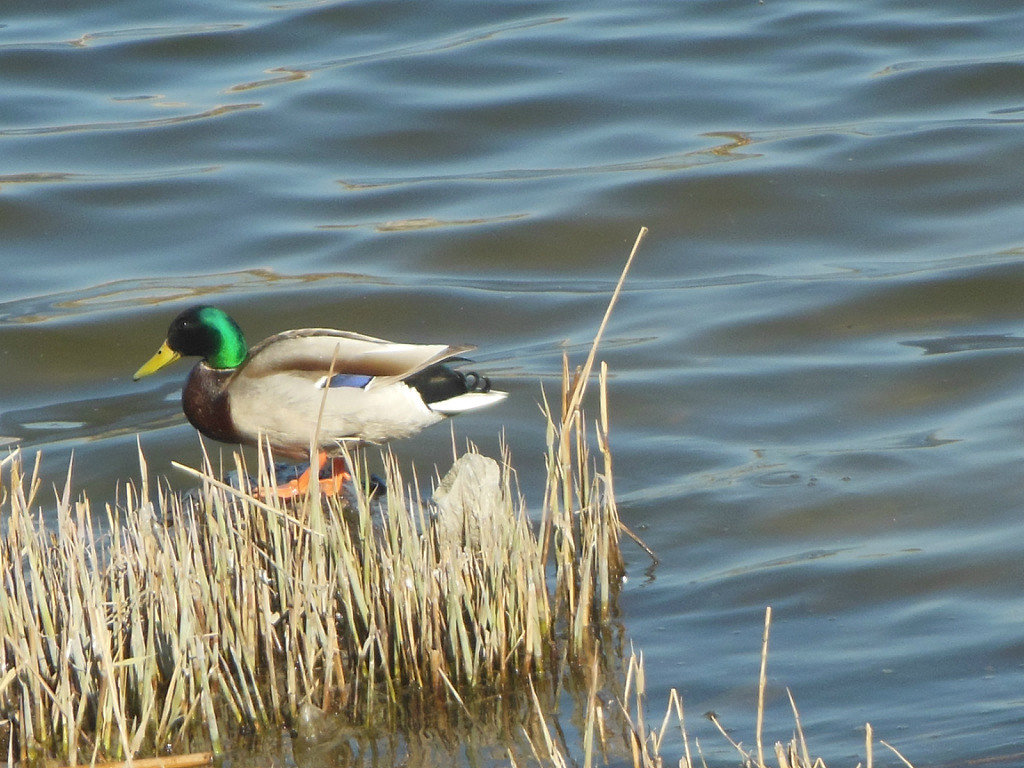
x=314, y=352
x=338, y=385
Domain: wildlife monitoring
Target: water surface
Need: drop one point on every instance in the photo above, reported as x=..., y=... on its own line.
x=817, y=364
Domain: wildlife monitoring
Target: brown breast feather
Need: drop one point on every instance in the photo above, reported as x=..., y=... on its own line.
x=206, y=404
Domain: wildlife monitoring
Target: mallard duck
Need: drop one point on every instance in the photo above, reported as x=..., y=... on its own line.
x=370, y=390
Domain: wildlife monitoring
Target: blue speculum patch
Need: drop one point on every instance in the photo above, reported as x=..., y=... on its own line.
x=346, y=380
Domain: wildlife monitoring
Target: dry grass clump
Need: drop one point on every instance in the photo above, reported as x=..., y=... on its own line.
x=159, y=622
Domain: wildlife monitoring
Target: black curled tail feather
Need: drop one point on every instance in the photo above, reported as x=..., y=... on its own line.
x=476, y=382
x=439, y=382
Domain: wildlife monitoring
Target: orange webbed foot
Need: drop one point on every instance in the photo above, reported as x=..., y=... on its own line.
x=335, y=481
x=331, y=484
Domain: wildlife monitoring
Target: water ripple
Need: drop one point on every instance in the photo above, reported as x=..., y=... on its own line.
x=137, y=34
x=293, y=72
x=725, y=152
x=129, y=125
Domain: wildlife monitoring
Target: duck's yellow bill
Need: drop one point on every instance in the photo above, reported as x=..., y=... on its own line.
x=164, y=356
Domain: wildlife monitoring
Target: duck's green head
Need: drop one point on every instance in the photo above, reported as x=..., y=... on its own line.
x=205, y=332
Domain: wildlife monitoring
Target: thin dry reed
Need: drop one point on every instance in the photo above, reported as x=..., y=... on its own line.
x=615, y=725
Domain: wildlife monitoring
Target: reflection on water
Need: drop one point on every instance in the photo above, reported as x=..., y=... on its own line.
x=404, y=225
x=79, y=422
x=151, y=293
x=966, y=343
x=93, y=39
x=664, y=163
x=220, y=111
x=135, y=293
